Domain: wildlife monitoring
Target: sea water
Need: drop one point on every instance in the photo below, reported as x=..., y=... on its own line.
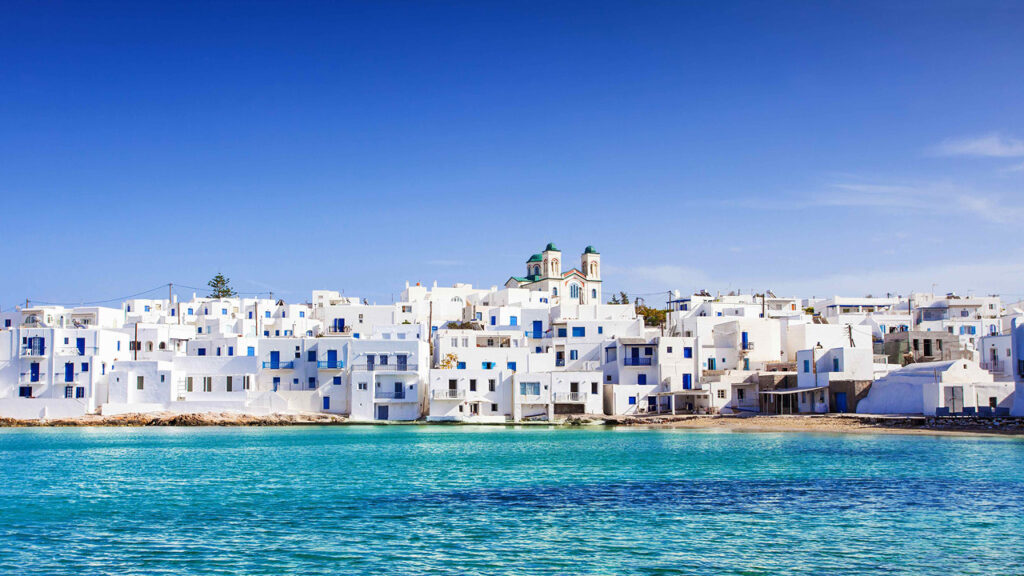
x=495, y=500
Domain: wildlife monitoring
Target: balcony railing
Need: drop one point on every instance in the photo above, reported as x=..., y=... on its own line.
x=636, y=361
x=534, y=334
x=330, y=364
x=390, y=394
x=385, y=367
x=993, y=365
x=279, y=365
x=571, y=397
x=447, y=394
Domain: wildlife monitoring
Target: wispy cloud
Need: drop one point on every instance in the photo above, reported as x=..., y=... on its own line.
x=927, y=197
x=992, y=145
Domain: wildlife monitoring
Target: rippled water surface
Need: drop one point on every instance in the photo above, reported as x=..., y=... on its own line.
x=416, y=499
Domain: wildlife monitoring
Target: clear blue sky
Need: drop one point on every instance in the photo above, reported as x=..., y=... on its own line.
x=808, y=148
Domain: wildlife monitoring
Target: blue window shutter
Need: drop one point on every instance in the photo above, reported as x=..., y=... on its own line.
x=511, y=365
x=641, y=378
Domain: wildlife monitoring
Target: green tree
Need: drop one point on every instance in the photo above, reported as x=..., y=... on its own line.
x=614, y=300
x=623, y=298
x=220, y=287
x=651, y=316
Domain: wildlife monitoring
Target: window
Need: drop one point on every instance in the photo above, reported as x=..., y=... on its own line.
x=245, y=383
x=69, y=391
x=201, y=352
x=207, y=383
x=513, y=320
x=188, y=384
x=648, y=351
x=302, y=314
x=362, y=386
x=455, y=342
x=561, y=332
x=336, y=381
x=223, y=311
x=311, y=382
x=721, y=394
x=510, y=366
x=574, y=291
x=573, y=355
x=487, y=365
x=139, y=382
x=163, y=377
x=835, y=364
x=85, y=366
x=579, y=331
x=494, y=407
x=641, y=378
x=529, y=388
x=491, y=384
x=593, y=292
x=80, y=392
x=231, y=350
x=807, y=366
x=250, y=351
x=311, y=356
x=593, y=387
x=250, y=314
x=460, y=366
x=227, y=383
x=472, y=385
x=191, y=311
x=632, y=400
x=600, y=329
x=218, y=350
x=740, y=393
x=494, y=320
x=668, y=350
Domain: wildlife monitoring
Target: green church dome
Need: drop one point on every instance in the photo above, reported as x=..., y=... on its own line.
x=551, y=246
x=590, y=250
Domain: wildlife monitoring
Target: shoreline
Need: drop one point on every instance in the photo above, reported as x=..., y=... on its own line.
x=817, y=423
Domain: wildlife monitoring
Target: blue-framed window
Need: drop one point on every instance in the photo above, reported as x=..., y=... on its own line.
x=641, y=378
x=336, y=381
x=632, y=400
x=579, y=331
x=201, y=352
x=85, y=366
x=487, y=365
x=494, y=320
x=460, y=366
x=574, y=355
x=250, y=351
x=600, y=329
x=807, y=366
x=511, y=365
x=561, y=332
x=312, y=382
x=687, y=352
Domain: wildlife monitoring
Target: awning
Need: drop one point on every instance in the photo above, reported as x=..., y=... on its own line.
x=792, y=390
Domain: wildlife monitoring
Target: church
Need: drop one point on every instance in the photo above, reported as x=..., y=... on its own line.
x=544, y=273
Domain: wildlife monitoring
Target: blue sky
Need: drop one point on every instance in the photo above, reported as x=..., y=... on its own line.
x=807, y=148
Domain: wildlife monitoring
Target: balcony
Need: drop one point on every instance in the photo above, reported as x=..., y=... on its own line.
x=28, y=351
x=330, y=364
x=279, y=365
x=570, y=397
x=636, y=361
x=394, y=395
x=385, y=367
x=447, y=394
x=335, y=330
x=993, y=365
x=534, y=334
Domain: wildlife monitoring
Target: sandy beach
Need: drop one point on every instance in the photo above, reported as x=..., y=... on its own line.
x=824, y=423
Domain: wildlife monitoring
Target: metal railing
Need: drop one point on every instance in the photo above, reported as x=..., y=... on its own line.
x=330, y=364
x=288, y=365
x=571, y=397
x=447, y=394
x=993, y=365
x=409, y=367
x=390, y=394
x=628, y=361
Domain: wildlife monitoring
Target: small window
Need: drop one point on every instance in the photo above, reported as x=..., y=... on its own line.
x=228, y=383
x=472, y=385
x=573, y=355
x=80, y=392
x=632, y=400
x=668, y=349
x=139, y=382
x=492, y=383
x=188, y=384
x=85, y=366
x=494, y=407
x=721, y=394
x=336, y=381
x=579, y=331
x=593, y=387
x=207, y=383
x=511, y=366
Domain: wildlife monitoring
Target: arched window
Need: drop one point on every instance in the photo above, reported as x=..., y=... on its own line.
x=593, y=268
x=574, y=291
x=149, y=346
x=163, y=345
x=554, y=291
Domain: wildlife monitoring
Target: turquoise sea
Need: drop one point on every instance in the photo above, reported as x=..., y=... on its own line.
x=457, y=500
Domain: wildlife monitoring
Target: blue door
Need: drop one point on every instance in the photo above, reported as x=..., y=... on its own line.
x=687, y=381
x=382, y=412
x=69, y=372
x=538, y=328
x=403, y=362
x=841, y=402
x=327, y=402
x=80, y=344
x=33, y=372
x=746, y=340
x=332, y=359
x=275, y=360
